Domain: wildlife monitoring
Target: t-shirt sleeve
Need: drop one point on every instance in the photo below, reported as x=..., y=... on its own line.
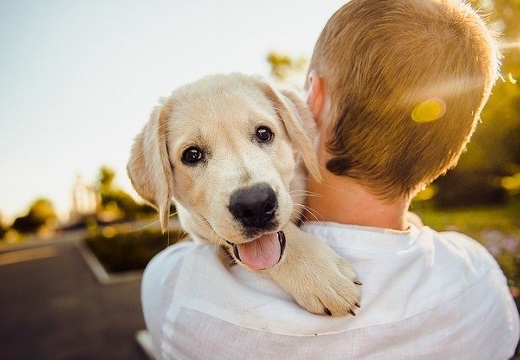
x=157, y=291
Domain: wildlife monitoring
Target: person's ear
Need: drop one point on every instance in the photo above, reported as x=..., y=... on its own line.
x=317, y=96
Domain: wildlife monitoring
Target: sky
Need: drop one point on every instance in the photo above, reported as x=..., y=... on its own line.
x=78, y=79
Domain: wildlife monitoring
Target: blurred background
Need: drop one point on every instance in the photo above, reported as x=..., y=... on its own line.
x=78, y=81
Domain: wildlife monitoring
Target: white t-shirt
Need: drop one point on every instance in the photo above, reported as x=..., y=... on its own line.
x=425, y=295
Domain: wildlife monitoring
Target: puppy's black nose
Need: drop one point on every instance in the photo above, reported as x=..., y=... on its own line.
x=255, y=206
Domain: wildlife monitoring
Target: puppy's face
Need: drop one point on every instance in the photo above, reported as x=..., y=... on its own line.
x=224, y=148
x=231, y=158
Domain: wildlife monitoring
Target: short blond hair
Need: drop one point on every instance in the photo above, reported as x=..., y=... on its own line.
x=385, y=60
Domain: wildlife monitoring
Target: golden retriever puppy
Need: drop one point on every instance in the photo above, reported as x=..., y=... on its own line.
x=233, y=154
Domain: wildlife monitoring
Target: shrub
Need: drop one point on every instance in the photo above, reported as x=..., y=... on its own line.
x=465, y=188
x=125, y=251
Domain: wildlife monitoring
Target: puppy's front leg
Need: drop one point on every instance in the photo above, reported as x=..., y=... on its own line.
x=319, y=279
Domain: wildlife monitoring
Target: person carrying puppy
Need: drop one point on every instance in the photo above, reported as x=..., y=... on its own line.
x=396, y=88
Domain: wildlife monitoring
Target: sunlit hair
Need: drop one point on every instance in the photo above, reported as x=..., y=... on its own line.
x=407, y=80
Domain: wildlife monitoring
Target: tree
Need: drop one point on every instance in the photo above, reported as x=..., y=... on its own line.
x=41, y=214
x=106, y=179
x=287, y=69
x=114, y=201
x=3, y=228
x=495, y=145
x=494, y=151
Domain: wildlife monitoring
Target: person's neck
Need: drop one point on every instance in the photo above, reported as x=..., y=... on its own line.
x=344, y=200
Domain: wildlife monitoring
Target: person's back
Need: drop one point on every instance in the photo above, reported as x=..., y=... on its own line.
x=396, y=88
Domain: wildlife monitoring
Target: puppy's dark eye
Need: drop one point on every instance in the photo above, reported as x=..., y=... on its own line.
x=192, y=155
x=264, y=134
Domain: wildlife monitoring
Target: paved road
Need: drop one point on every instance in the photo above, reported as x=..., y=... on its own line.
x=52, y=307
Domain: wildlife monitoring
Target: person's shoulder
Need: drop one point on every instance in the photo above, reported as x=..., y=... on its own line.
x=463, y=247
x=463, y=265
x=173, y=256
x=160, y=279
x=486, y=292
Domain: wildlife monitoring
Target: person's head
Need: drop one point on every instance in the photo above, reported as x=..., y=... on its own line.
x=400, y=86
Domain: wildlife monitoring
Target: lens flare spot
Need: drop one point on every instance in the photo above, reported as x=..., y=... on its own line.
x=511, y=79
x=429, y=110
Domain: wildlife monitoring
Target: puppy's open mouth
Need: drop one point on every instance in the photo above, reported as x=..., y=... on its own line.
x=261, y=253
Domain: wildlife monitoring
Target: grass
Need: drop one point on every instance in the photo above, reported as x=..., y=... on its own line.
x=473, y=221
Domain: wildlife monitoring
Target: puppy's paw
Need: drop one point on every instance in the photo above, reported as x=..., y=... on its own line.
x=320, y=280
x=328, y=287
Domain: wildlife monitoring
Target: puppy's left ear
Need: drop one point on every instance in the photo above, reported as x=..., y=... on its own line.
x=299, y=123
x=149, y=167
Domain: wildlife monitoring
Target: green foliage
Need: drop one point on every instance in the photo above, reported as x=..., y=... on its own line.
x=115, y=201
x=487, y=171
x=3, y=228
x=475, y=220
x=40, y=214
x=283, y=66
x=105, y=179
x=496, y=143
x=126, y=251
x=469, y=188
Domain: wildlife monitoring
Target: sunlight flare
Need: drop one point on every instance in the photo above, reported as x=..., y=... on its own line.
x=429, y=110
x=510, y=45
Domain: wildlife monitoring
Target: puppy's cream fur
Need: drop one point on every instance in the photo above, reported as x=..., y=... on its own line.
x=219, y=114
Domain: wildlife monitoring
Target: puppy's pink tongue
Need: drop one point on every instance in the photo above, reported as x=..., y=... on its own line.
x=261, y=253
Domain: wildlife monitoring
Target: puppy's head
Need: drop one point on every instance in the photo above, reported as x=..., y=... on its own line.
x=227, y=149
